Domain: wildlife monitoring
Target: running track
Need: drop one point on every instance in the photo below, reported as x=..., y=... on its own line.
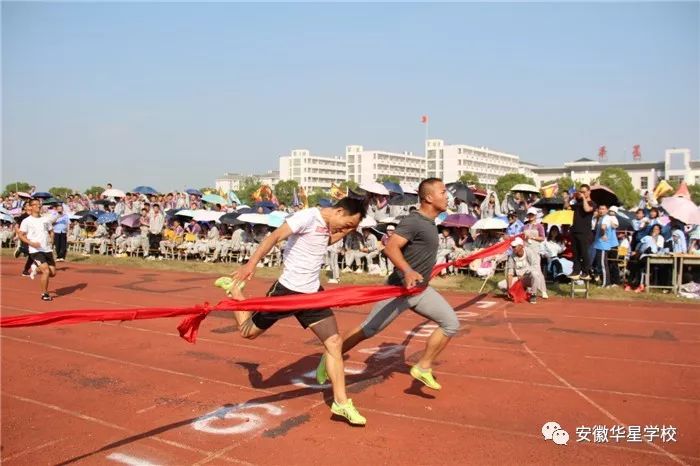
x=135, y=393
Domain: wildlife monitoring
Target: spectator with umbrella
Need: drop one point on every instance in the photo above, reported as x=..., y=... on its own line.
x=99, y=239
x=490, y=207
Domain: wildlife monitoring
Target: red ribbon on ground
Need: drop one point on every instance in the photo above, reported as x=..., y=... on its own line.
x=189, y=327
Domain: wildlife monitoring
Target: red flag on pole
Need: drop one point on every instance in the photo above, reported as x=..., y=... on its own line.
x=424, y=119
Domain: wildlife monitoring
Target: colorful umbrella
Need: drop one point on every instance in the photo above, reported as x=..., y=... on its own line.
x=559, y=217
x=131, y=220
x=144, y=190
x=195, y=192
x=6, y=217
x=682, y=209
x=393, y=187
x=41, y=195
x=107, y=217
x=459, y=220
x=214, y=199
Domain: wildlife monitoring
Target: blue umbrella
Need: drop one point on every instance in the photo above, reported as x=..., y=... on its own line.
x=144, y=190
x=265, y=205
x=42, y=195
x=6, y=217
x=193, y=191
x=393, y=187
x=325, y=202
x=107, y=217
x=89, y=213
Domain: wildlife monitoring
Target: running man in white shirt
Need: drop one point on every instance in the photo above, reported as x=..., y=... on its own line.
x=37, y=232
x=308, y=234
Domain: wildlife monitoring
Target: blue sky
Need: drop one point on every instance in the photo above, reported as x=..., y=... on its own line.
x=170, y=95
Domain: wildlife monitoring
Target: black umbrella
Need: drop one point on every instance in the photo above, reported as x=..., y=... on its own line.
x=231, y=219
x=104, y=202
x=52, y=201
x=357, y=194
x=404, y=199
x=602, y=195
x=550, y=203
x=624, y=219
x=462, y=192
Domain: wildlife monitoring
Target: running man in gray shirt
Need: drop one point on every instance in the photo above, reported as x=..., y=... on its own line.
x=413, y=250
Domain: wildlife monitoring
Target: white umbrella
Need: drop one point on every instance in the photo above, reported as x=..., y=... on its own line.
x=527, y=188
x=409, y=189
x=490, y=224
x=185, y=213
x=259, y=219
x=201, y=215
x=375, y=188
x=113, y=193
x=367, y=222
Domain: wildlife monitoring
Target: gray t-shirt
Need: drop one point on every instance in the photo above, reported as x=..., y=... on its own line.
x=421, y=250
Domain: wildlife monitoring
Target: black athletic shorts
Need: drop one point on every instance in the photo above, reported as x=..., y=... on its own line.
x=265, y=320
x=43, y=258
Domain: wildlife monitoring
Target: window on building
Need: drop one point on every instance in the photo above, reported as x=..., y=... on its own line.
x=644, y=182
x=676, y=179
x=431, y=154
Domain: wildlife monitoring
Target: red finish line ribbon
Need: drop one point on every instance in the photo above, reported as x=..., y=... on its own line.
x=189, y=327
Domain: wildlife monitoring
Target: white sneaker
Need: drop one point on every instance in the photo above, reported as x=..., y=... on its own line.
x=347, y=270
x=545, y=295
x=150, y=258
x=359, y=271
x=260, y=265
x=32, y=271
x=333, y=281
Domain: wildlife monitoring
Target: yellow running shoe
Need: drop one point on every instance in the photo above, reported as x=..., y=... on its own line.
x=227, y=284
x=321, y=374
x=349, y=412
x=426, y=377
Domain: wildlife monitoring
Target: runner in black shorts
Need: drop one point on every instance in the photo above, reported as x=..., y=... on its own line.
x=37, y=232
x=308, y=234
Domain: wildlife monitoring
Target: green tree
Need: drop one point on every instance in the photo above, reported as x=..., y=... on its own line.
x=208, y=190
x=284, y=190
x=619, y=181
x=470, y=179
x=390, y=179
x=61, y=192
x=695, y=192
x=95, y=190
x=348, y=184
x=17, y=186
x=316, y=196
x=248, y=187
x=504, y=183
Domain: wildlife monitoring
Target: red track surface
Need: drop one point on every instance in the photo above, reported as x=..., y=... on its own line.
x=135, y=393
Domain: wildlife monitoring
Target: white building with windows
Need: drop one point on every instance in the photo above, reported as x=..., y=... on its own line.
x=312, y=171
x=365, y=166
x=450, y=161
x=676, y=166
x=234, y=181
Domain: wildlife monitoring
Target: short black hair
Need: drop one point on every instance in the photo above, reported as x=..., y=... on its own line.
x=352, y=206
x=584, y=185
x=639, y=210
x=425, y=186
